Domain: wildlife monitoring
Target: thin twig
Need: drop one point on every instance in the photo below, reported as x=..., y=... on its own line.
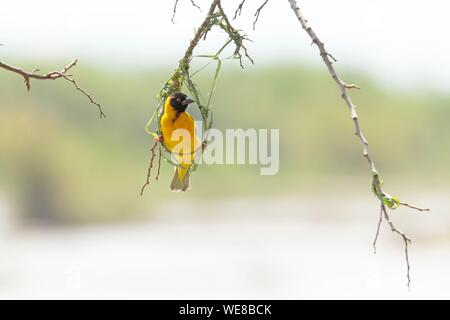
x=159, y=163
x=175, y=9
x=406, y=241
x=378, y=231
x=237, y=38
x=150, y=166
x=258, y=11
x=414, y=207
x=27, y=76
x=239, y=10
x=68, y=78
x=341, y=84
x=195, y=5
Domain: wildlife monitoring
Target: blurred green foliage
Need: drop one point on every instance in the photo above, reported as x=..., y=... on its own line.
x=62, y=163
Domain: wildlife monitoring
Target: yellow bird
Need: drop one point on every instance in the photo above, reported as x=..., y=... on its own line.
x=178, y=130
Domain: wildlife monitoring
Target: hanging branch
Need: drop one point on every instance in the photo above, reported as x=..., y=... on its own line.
x=150, y=166
x=380, y=220
x=385, y=199
x=54, y=75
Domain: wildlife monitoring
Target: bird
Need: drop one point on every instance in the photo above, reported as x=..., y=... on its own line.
x=184, y=145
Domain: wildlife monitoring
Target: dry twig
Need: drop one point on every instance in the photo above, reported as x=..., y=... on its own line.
x=328, y=59
x=405, y=239
x=174, y=11
x=159, y=164
x=176, y=5
x=27, y=76
x=258, y=11
x=239, y=9
x=380, y=220
x=150, y=166
x=414, y=207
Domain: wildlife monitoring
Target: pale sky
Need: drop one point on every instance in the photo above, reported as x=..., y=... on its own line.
x=405, y=41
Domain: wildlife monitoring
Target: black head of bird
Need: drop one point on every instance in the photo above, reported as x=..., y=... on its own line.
x=179, y=101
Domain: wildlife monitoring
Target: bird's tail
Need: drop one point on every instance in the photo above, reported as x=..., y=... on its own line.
x=180, y=181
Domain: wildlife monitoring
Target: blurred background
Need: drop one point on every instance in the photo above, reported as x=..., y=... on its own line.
x=72, y=223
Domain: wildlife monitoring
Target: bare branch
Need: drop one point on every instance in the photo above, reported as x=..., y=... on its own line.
x=159, y=164
x=174, y=11
x=176, y=5
x=27, y=76
x=239, y=9
x=195, y=5
x=380, y=220
x=414, y=207
x=328, y=59
x=341, y=84
x=405, y=239
x=258, y=11
x=70, y=79
x=150, y=166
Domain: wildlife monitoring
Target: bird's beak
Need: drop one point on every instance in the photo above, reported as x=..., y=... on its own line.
x=187, y=101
